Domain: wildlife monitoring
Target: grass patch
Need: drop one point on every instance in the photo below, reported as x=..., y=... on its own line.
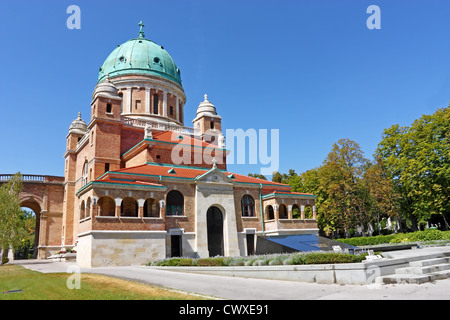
x=53, y=286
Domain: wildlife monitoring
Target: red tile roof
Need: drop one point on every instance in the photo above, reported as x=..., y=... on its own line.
x=174, y=137
x=138, y=175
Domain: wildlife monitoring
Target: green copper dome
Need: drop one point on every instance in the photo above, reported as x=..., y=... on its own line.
x=140, y=56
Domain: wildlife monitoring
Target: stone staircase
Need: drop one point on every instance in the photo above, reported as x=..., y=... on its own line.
x=420, y=271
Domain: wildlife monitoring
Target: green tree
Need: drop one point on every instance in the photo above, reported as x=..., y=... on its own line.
x=383, y=200
x=418, y=160
x=12, y=226
x=341, y=178
x=257, y=175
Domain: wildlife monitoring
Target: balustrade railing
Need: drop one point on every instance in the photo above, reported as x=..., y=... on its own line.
x=158, y=125
x=32, y=178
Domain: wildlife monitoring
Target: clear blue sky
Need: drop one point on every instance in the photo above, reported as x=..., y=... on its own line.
x=311, y=69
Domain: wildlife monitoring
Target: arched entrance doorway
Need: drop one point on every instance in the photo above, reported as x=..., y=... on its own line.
x=33, y=210
x=214, y=221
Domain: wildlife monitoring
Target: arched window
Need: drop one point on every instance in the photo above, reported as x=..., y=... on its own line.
x=88, y=208
x=151, y=208
x=129, y=208
x=283, y=212
x=84, y=174
x=270, y=213
x=82, y=210
x=155, y=103
x=296, y=212
x=121, y=102
x=175, y=203
x=248, y=206
x=106, y=206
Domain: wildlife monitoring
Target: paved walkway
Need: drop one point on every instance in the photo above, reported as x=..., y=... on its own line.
x=234, y=288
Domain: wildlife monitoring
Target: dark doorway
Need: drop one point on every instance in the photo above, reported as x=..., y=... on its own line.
x=250, y=244
x=175, y=245
x=214, y=221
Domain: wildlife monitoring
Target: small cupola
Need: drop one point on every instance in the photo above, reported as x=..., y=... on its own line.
x=105, y=89
x=78, y=126
x=207, y=120
x=206, y=108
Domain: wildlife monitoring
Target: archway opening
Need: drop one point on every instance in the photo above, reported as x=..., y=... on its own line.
x=31, y=212
x=214, y=222
x=129, y=207
x=106, y=207
x=270, y=212
x=283, y=212
x=296, y=214
x=308, y=212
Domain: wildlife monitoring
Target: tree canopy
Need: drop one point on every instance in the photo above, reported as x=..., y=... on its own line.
x=12, y=225
x=408, y=179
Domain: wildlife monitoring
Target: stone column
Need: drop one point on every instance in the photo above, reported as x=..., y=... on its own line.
x=165, y=103
x=147, y=100
x=302, y=212
x=162, y=209
x=128, y=99
x=177, y=108
x=42, y=235
x=276, y=212
x=289, y=211
x=118, y=203
x=314, y=212
x=141, y=208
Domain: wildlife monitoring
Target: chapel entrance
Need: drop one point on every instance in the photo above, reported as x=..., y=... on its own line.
x=214, y=221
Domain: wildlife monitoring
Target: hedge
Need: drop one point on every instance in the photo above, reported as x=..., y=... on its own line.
x=264, y=260
x=422, y=236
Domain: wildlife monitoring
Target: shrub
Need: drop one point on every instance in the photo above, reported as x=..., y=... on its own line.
x=185, y=262
x=210, y=262
x=260, y=262
x=234, y=261
x=427, y=235
x=264, y=260
x=367, y=241
x=326, y=258
x=298, y=259
x=169, y=262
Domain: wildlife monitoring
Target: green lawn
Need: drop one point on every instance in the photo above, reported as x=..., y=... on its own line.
x=53, y=286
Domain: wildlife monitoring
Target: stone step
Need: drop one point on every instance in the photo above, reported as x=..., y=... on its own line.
x=424, y=263
x=439, y=275
x=413, y=278
x=423, y=270
x=404, y=278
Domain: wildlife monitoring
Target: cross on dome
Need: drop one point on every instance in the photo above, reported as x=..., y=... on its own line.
x=141, y=29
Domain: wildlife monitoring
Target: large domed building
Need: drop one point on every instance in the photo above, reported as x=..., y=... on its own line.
x=141, y=186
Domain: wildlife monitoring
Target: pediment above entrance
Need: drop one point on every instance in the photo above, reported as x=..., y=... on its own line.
x=216, y=176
